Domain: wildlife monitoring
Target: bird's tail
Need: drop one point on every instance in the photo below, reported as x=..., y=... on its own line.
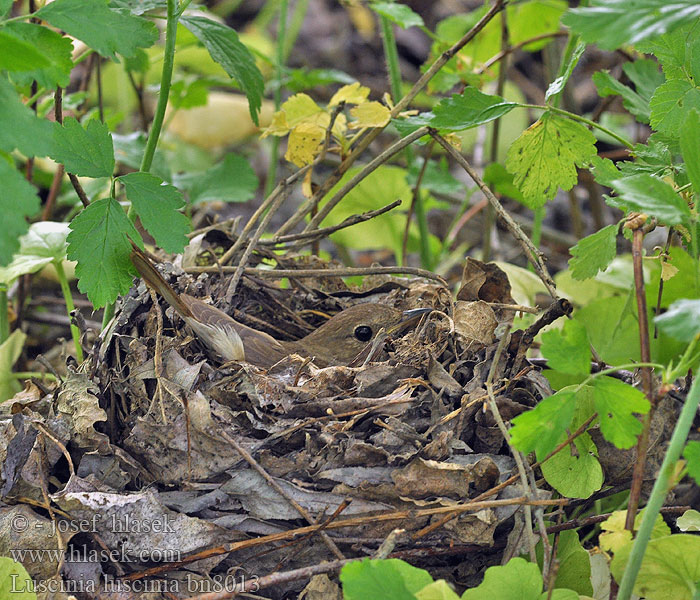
x=155, y=280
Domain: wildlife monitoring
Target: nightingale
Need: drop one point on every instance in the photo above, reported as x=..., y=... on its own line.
x=337, y=342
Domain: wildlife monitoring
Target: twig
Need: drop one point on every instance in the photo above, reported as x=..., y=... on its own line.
x=503, y=53
x=308, y=236
x=58, y=113
x=343, y=272
x=647, y=382
x=533, y=254
x=276, y=486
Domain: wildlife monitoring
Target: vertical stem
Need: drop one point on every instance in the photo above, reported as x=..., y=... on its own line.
x=647, y=383
x=536, y=235
x=279, y=59
x=490, y=217
x=4, y=318
x=68, y=297
x=165, y=80
x=659, y=491
x=391, y=56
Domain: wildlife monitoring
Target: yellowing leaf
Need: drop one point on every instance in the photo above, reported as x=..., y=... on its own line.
x=350, y=94
x=296, y=110
x=304, y=144
x=278, y=125
x=369, y=114
x=667, y=270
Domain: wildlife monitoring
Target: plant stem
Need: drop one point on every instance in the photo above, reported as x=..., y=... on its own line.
x=4, y=320
x=165, y=80
x=588, y=122
x=659, y=491
x=277, y=94
x=36, y=374
x=70, y=307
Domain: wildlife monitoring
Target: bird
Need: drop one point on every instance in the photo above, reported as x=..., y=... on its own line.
x=339, y=341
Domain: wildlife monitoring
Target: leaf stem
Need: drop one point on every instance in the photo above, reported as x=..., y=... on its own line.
x=165, y=80
x=659, y=491
x=4, y=320
x=70, y=307
x=575, y=117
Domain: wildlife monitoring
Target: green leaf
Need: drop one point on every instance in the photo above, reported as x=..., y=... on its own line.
x=545, y=157
x=646, y=194
x=690, y=519
x=232, y=180
x=107, y=31
x=158, y=207
x=54, y=47
x=567, y=349
x=138, y=7
x=438, y=590
x=18, y=200
x=45, y=242
x=690, y=147
x=670, y=568
x=681, y=321
x=85, y=152
x=631, y=100
x=593, y=253
x=671, y=104
x=468, y=109
x=98, y=241
x=692, y=455
x=558, y=84
x=517, y=580
x=19, y=126
x=574, y=571
x=541, y=428
x=225, y=48
x=15, y=582
x=616, y=402
x=391, y=578
x=674, y=50
x=645, y=75
x=18, y=55
x=615, y=23
x=400, y=14
x=436, y=177
x=575, y=471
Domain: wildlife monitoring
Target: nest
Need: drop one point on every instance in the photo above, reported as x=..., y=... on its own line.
x=201, y=469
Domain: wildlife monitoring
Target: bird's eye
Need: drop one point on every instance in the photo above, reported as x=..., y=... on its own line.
x=363, y=333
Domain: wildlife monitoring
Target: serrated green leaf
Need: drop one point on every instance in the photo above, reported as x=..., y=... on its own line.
x=631, y=100
x=545, y=156
x=672, y=50
x=671, y=104
x=604, y=170
x=98, y=242
x=518, y=579
x=232, y=180
x=567, y=349
x=18, y=200
x=19, y=126
x=5, y=6
x=468, y=109
x=645, y=75
x=15, y=582
x=436, y=177
x=681, y=321
x=138, y=7
x=225, y=48
x=692, y=455
x=501, y=181
x=616, y=403
x=55, y=48
x=85, y=152
x=614, y=23
x=646, y=194
x=593, y=253
x=107, y=31
x=541, y=428
x=400, y=14
x=390, y=578
x=158, y=206
x=18, y=55
x=690, y=147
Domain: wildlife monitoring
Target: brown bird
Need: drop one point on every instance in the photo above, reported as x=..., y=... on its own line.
x=337, y=342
